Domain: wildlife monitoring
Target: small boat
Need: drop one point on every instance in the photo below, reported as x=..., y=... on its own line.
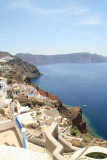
x=84, y=105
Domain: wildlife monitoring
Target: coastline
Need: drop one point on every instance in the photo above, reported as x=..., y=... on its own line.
x=89, y=127
x=74, y=115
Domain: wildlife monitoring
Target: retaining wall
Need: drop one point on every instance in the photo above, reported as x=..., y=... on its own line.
x=5, y=125
x=67, y=146
x=35, y=140
x=15, y=123
x=52, y=145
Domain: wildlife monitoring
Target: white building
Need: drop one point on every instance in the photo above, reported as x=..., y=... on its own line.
x=47, y=115
x=6, y=69
x=3, y=88
x=6, y=59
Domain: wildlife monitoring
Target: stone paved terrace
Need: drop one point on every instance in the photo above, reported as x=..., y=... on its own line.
x=3, y=118
x=39, y=149
x=10, y=138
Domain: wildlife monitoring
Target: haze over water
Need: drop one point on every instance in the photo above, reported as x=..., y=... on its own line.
x=77, y=85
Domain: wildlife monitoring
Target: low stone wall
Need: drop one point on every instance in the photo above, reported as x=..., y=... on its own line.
x=5, y=125
x=37, y=141
x=67, y=146
x=72, y=138
x=52, y=145
x=9, y=124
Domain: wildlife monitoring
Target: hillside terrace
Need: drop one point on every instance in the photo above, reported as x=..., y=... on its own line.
x=45, y=127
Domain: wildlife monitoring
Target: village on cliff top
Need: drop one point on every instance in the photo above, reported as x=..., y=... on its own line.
x=36, y=120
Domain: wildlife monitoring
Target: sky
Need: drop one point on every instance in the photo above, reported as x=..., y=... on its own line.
x=53, y=26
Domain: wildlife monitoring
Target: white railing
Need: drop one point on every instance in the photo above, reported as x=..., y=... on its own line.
x=21, y=132
x=5, y=125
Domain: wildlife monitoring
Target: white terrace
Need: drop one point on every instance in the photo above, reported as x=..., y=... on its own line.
x=14, y=143
x=12, y=133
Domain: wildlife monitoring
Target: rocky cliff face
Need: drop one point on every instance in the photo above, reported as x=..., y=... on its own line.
x=73, y=114
x=50, y=95
x=21, y=69
x=84, y=57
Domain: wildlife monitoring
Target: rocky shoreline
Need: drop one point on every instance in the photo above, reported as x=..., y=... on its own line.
x=74, y=114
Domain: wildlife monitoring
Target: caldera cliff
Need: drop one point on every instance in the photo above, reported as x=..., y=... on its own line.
x=73, y=114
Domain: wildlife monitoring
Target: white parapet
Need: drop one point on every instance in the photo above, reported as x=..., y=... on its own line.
x=5, y=125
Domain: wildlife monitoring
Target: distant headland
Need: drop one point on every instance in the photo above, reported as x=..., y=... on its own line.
x=82, y=57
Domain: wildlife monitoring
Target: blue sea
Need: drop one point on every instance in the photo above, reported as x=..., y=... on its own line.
x=78, y=84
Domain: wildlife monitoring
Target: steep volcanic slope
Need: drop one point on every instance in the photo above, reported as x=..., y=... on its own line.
x=64, y=58
x=73, y=114
x=20, y=68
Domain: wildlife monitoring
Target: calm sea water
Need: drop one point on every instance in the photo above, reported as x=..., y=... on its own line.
x=78, y=85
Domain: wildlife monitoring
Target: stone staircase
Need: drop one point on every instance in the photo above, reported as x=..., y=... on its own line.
x=33, y=138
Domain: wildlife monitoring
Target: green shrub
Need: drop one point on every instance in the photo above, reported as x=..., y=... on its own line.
x=38, y=113
x=73, y=132
x=81, y=145
x=27, y=80
x=87, y=139
x=97, y=155
x=9, y=81
x=0, y=73
x=28, y=104
x=34, y=102
x=41, y=103
x=2, y=112
x=52, y=106
x=11, y=97
x=69, y=123
x=74, y=127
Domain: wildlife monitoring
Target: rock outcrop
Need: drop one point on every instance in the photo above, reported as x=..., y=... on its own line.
x=74, y=114
x=49, y=95
x=20, y=69
x=23, y=69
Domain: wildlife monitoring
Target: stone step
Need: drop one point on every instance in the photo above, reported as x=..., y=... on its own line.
x=30, y=136
x=27, y=134
x=67, y=155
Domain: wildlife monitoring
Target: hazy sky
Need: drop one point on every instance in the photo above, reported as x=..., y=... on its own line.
x=53, y=26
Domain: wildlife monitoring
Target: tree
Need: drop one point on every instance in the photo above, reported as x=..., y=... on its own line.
x=9, y=81
x=34, y=102
x=27, y=80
